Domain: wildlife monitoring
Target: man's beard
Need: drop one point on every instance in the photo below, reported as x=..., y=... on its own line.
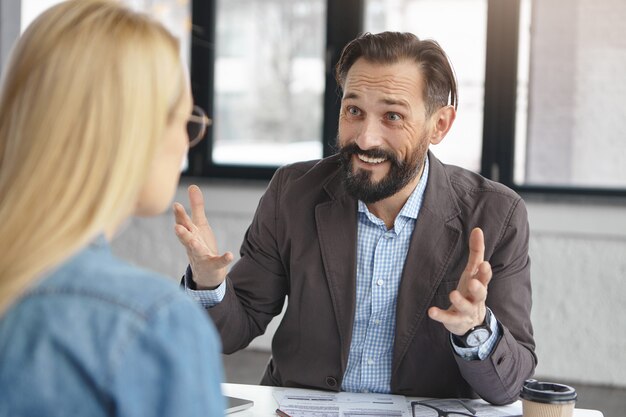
x=359, y=184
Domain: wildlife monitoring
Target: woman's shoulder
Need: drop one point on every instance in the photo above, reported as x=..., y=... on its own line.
x=96, y=292
x=102, y=322
x=95, y=298
x=96, y=275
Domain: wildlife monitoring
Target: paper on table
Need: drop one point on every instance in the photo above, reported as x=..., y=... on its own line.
x=307, y=403
x=311, y=403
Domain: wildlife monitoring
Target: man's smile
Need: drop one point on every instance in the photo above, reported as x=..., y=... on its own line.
x=371, y=160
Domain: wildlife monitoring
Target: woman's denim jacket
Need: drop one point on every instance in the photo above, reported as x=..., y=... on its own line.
x=99, y=337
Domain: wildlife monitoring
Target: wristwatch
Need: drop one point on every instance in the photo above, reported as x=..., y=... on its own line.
x=477, y=335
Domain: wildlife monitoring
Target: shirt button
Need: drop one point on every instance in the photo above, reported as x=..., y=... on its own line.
x=376, y=321
x=380, y=282
x=370, y=362
x=331, y=382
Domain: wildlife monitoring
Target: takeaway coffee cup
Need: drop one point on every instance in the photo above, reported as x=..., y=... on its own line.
x=547, y=399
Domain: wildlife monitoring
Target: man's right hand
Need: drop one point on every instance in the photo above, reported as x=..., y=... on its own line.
x=196, y=235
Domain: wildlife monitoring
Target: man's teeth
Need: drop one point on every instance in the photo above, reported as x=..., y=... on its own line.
x=371, y=160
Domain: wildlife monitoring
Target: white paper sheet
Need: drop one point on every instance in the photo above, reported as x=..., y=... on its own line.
x=309, y=403
x=299, y=403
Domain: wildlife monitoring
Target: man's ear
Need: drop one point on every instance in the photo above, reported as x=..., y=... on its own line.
x=442, y=121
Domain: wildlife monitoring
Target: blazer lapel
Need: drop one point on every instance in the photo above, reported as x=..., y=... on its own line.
x=337, y=231
x=434, y=239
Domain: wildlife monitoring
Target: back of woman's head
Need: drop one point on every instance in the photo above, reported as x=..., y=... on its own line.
x=85, y=99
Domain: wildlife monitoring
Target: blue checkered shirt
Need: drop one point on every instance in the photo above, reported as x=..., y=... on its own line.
x=380, y=260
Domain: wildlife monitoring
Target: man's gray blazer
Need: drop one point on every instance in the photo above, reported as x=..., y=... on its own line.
x=302, y=245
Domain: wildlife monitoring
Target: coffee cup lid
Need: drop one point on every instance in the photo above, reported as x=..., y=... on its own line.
x=547, y=392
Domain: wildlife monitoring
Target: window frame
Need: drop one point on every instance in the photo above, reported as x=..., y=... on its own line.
x=344, y=22
x=341, y=28
x=498, y=156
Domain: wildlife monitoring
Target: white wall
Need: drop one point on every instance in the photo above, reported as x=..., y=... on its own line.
x=578, y=252
x=578, y=255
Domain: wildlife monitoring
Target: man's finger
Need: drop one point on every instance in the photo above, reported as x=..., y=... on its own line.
x=224, y=260
x=181, y=217
x=435, y=313
x=184, y=236
x=461, y=304
x=484, y=273
x=446, y=317
x=196, y=200
x=477, y=292
x=476, y=251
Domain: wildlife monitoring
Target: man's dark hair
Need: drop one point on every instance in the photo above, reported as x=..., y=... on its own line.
x=391, y=47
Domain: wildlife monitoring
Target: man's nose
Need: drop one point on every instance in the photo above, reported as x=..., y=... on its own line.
x=371, y=134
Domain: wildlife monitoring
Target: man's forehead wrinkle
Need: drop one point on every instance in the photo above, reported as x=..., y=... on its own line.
x=362, y=78
x=394, y=93
x=395, y=102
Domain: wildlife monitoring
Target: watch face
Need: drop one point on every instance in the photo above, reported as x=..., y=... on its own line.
x=477, y=337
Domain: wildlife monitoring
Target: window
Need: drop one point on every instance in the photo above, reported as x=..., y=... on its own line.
x=174, y=14
x=269, y=81
x=573, y=117
x=460, y=27
x=540, y=84
x=260, y=69
x=553, y=116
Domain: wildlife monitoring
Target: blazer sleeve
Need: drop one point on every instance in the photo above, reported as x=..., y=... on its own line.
x=499, y=378
x=257, y=283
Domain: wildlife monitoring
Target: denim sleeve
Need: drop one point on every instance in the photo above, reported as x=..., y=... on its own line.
x=170, y=365
x=483, y=351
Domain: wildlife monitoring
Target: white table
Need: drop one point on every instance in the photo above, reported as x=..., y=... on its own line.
x=265, y=405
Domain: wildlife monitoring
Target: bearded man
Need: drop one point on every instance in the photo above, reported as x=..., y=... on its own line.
x=403, y=275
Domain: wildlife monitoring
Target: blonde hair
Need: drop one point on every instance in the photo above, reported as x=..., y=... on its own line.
x=85, y=100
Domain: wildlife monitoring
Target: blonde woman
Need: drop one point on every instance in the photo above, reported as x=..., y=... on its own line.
x=94, y=111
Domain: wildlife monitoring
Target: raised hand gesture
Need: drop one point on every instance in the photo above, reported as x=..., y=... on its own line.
x=195, y=233
x=467, y=307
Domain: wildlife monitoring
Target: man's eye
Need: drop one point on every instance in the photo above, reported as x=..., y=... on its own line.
x=353, y=111
x=394, y=117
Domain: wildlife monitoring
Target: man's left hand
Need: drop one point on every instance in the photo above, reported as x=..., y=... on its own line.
x=467, y=308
